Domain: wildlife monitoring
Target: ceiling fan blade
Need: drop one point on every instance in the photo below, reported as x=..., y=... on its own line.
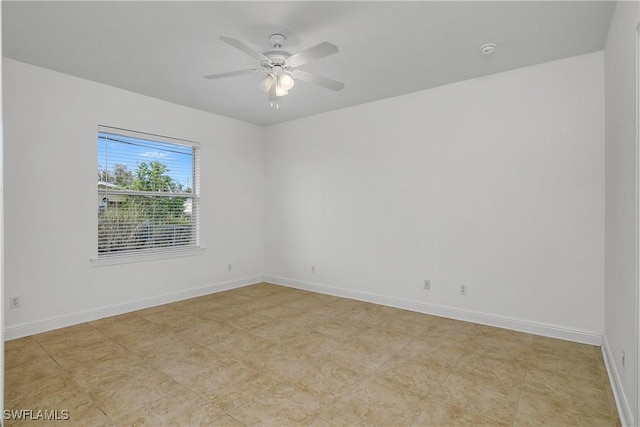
x=316, y=79
x=316, y=52
x=243, y=47
x=233, y=73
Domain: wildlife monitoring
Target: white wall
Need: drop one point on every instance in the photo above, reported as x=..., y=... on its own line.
x=621, y=296
x=50, y=136
x=2, y=299
x=495, y=183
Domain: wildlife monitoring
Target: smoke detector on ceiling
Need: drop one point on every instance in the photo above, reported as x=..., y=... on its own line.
x=488, y=49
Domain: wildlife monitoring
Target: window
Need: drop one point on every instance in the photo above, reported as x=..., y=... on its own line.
x=148, y=195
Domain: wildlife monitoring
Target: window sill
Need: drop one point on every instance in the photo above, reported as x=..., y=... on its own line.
x=131, y=258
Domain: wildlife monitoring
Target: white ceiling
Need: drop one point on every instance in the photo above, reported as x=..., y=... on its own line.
x=162, y=49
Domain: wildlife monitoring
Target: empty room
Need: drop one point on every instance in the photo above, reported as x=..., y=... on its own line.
x=306, y=213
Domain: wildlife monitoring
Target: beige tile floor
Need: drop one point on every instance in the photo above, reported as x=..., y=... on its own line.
x=266, y=355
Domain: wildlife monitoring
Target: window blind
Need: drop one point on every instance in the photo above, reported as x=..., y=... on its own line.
x=148, y=193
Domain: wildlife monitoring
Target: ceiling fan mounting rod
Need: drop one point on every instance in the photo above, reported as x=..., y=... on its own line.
x=277, y=40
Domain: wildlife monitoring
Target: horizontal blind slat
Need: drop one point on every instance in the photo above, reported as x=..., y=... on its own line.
x=146, y=136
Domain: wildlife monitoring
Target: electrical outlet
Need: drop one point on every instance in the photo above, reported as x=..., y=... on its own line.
x=14, y=302
x=427, y=285
x=463, y=290
x=313, y=268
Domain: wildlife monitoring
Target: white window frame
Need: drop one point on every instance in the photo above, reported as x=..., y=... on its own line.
x=157, y=254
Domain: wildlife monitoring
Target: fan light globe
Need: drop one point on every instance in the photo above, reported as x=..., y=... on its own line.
x=266, y=83
x=285, y=81
x=280, y=91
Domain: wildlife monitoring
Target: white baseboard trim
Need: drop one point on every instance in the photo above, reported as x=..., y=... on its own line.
x=552, y=331
x=26, y=329
x=31, y=328
x=624, y=410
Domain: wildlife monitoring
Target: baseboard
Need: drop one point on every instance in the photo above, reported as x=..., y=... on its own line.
x=624, y=410
x=31, y=328
x=40, y=326
x=552, y=331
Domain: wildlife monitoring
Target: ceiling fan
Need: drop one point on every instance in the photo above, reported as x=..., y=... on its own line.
x=281, y=66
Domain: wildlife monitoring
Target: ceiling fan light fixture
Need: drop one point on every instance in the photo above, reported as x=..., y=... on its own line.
x=280, y=91
x=280, y=66
x=266, y=82
x=285, y=81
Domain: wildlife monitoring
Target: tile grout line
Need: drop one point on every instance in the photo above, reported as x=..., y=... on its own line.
x=78, y=386
x=521, y=386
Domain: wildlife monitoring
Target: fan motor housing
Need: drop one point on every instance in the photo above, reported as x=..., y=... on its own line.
x=277, y=54
x=277, y=58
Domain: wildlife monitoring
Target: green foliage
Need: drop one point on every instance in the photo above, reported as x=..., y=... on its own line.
x=131, y=223
x=153, y=176
x=123, y=177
